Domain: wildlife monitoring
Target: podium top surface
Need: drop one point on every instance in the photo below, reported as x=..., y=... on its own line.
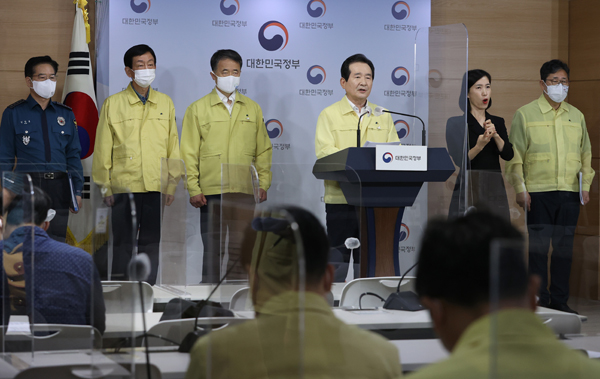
x=356, y=165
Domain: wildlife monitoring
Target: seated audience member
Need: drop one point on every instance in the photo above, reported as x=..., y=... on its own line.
x=61, y=284
x=295, y=333
x=453, y=281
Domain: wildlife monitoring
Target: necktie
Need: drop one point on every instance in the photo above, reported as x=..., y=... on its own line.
x=46, y=136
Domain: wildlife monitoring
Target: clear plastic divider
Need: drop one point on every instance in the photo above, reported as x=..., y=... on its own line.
x=173, y=247
x=60, y=311
x=441, y=61
x=124, y=301
x=270, y=340
x=18, y=249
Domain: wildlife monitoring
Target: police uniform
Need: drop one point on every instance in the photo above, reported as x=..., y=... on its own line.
x=46, y=145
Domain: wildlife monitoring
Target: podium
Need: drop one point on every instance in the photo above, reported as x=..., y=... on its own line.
x=382, y=197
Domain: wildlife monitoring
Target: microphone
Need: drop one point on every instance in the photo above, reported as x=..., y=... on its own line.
x=381, y=110
x=206, y=308
x=358, y=128
x=403, y=301
x=139, y=267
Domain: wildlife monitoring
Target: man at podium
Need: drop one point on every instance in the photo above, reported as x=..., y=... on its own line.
x=339, y=127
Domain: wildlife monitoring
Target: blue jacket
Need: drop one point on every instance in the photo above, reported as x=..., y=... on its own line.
x=66, y=284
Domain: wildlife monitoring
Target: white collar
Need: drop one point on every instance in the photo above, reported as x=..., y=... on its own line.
x=224, y=98
x=365, y=109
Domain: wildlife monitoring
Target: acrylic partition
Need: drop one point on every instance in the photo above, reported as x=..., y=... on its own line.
x=18, y=249
x=562, y=329
x=274, y=332
x=521, y=333
x=304, y=186
x=175, y=200
x=441, y=61
x=118, y=299
x=52, y=293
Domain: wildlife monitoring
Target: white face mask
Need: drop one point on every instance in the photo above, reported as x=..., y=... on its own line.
x=558, y=92
x=44, y=89
x=145, y=77
x=227, y=84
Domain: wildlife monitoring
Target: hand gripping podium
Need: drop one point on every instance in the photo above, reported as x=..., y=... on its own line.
x=382, y=196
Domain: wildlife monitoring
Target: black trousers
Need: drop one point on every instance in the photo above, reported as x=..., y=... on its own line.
x=342, y=222
x=553, y=218
x=231, y=212
x=60, y=193
x=147, y=227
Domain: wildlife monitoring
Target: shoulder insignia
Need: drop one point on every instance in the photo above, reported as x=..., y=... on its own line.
x=63, y=105
x=13, y=105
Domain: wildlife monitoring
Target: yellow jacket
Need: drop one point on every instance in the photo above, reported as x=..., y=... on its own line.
x=551, y=148
x=524, y=348
x=131, y=140
x=336, y=130
x=218, y=149
x=286, y=339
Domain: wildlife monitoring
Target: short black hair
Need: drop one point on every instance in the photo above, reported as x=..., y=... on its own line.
x=136, y=51
x=32, y=62
x=20, y=209
x=314, y=242
x=473, y=77
x=345, y=70
x=274, y=254
x=219, y=55
x=454, y=260
x=552, y=67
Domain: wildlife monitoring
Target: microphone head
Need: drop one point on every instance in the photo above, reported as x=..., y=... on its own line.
x=378, y=111
x=352, y=243
x=139, y=267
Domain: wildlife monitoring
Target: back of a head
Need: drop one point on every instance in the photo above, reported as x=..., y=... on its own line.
x=291, y=247
x=27, y=209
x=454, y=260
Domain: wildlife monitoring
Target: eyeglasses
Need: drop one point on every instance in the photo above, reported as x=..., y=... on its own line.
x=44, y=77
x=555, y=81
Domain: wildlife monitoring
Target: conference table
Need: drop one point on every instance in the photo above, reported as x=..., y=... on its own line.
x=413, y=354
x=120, y=325
x=163, y=293
x=123, y=325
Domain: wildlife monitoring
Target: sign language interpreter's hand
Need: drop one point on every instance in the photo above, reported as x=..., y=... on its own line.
x=484, y=138
x=490, y=127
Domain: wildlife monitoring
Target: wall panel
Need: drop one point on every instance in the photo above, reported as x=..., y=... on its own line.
x=32, y=28
x=510, y=39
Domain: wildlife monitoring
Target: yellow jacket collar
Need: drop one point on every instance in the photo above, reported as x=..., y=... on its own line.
x=347, y=108
x=215, y=99
x=133, y=97
x=545, y=106
x=292, y=302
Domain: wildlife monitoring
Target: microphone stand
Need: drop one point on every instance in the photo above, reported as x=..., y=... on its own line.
x=423, y=135
x=358, y=129
x=138, y=278
x=406, y=300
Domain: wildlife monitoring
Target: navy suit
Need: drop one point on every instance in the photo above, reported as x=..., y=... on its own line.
x=66, y=284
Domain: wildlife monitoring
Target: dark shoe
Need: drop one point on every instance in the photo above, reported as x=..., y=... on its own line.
x=542, y=303
x=562, y=308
